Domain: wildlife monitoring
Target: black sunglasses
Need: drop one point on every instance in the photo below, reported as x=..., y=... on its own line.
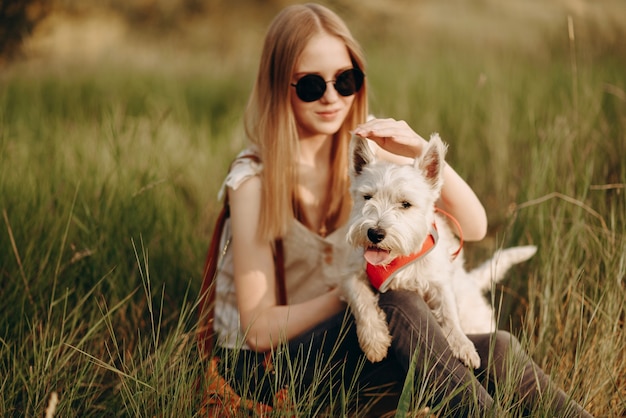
x=312, y=87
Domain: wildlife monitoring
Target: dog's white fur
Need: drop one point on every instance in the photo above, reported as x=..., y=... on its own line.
x=398, y=201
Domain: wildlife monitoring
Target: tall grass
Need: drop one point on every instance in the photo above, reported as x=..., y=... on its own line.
x=108, y=178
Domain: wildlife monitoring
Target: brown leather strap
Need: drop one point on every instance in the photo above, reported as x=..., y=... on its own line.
x=279, y=266
x=207, y=291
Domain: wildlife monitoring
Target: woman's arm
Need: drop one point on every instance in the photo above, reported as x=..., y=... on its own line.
x=400, y=144
x=262, y=320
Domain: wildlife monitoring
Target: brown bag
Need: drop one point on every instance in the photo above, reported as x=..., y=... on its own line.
x=219, y=398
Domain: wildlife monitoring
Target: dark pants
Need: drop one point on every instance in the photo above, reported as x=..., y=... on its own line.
x=327, y=366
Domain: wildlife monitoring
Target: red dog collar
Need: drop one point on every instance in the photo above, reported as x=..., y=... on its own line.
x=381, y=275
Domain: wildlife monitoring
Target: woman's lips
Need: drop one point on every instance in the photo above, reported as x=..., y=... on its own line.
x=328, y=114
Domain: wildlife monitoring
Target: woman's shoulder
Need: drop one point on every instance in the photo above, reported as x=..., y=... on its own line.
x=246, y=165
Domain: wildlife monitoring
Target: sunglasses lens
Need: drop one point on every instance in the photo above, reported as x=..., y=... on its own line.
x=310, y=88
x=349, y=82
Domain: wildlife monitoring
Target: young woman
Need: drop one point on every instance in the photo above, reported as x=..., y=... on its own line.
x=292, y=183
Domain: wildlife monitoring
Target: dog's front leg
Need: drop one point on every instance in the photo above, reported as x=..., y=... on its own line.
x=462, y=347
x=371, y=322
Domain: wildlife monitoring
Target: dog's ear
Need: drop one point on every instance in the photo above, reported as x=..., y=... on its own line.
x=360, y=154
x=432, y=161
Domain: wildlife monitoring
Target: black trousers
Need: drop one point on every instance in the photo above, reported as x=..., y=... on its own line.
x=325, y=366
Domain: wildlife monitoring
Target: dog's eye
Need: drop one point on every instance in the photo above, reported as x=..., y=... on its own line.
x=367, y=196
x=406, y=205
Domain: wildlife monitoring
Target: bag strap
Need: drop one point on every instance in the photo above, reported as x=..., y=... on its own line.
x=206, y=306
x=207, y=291
x=279, y=267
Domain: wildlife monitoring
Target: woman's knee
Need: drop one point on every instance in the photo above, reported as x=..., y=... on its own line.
x=502, y=340
x=509, y=358
x=506, y=343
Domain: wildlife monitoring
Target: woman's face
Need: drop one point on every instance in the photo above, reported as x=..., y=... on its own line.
x=326, y=56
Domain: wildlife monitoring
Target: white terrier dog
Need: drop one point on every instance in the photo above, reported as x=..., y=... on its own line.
x=407, y=244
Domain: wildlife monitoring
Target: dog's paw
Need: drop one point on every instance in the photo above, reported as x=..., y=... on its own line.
x=463, y=349
x=375, y=349
x=468, y=355
x=374, y=339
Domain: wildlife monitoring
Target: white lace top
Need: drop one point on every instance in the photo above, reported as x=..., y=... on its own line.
x=312, y=262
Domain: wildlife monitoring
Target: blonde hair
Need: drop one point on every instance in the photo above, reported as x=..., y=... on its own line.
x=270, y=123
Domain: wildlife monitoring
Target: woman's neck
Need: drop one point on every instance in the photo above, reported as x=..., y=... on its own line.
x=314, y=174
x=315, y=151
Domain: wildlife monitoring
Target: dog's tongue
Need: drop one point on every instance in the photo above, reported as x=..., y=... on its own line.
x=376, y=256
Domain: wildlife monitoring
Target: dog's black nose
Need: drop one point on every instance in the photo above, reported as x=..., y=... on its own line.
x=376, y=235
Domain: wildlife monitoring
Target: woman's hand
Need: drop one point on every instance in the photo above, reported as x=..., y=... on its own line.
x=394, y=136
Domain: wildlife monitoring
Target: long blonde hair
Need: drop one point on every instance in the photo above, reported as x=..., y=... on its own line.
x=270, y=123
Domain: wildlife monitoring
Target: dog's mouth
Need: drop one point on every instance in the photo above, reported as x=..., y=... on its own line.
x=377, y=256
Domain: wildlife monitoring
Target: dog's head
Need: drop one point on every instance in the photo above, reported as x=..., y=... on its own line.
x=393, y=205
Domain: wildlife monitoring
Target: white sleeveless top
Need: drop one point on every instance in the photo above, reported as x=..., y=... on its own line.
x=312, y=262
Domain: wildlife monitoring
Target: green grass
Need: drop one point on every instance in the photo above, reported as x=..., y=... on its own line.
x=109, y=172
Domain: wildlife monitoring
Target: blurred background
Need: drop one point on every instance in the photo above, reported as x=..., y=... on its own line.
x=228, y=32
x=119, y=118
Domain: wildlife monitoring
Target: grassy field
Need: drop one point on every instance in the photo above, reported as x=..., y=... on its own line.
x=114, y=140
